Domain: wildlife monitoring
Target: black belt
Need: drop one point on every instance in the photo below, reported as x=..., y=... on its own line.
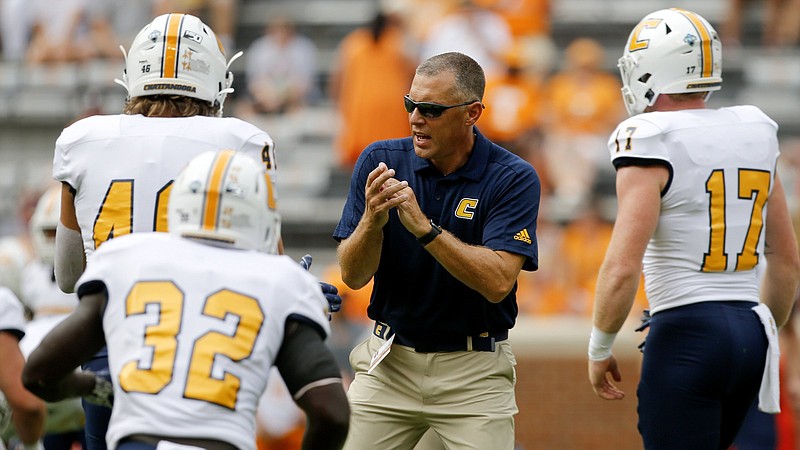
x=149, y=439
x=483, y=342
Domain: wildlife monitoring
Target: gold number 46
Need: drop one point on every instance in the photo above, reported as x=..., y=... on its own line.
x=115, y=217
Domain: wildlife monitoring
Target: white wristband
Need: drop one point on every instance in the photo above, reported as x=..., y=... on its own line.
x=600, y=344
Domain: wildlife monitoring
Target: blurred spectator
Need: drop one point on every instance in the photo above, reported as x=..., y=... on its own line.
x=372, y=72
x=114, y=22
x=50, y=306
x=17, y=250
x=570, y=258
x=15, y=28
x=412, y=10
x=472, y=30
x=780, y=23
x=545, y=291
x=281, y=69
x=513, y=102
x=582, y=107
x=583, y=247
x=529, y=23
x=60, y=32
x=280, y=423
x=220, y=15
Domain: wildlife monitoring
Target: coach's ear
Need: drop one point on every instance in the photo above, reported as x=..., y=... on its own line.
x=474, y=112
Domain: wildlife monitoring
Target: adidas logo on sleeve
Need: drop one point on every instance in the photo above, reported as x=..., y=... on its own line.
x=523, y=236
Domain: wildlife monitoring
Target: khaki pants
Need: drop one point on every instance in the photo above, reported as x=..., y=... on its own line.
x=466, y=398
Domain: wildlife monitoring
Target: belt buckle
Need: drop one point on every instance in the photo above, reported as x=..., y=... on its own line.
x=477, y=343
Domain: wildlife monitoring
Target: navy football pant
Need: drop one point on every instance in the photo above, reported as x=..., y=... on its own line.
x=64, y=441
x=701, y=372
x=97, y=417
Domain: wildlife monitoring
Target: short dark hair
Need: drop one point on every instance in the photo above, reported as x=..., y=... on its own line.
x=470, y=79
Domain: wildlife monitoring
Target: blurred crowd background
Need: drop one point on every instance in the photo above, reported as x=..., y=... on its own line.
x=327, y=77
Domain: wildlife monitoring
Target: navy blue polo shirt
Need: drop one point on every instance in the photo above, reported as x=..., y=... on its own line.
x=492, y=201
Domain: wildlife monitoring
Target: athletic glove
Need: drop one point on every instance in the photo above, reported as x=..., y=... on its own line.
x=103, y=392
x=330, y=291
x=5, y=413
x=332, y=296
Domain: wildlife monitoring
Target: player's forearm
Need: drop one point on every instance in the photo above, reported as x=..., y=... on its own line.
x=779, y=289
x=328, y=417
x=324, y=434
x=615, y=293
x=28, y=410
x=69, y=258
x=75, y=384
x=29, y=420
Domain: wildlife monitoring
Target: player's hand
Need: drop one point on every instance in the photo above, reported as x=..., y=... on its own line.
x=305, y=262
x=103, y=392
x=330, y=291
x=332, y=296
x=602, y=386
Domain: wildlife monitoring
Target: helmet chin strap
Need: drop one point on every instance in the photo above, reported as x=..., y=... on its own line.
x=124, y=81
x=220, y=98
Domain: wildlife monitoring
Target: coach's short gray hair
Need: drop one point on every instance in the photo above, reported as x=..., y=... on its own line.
x=470, y=79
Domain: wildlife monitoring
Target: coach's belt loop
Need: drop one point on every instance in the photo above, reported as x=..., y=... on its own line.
x=469, y=343
x=382, y=330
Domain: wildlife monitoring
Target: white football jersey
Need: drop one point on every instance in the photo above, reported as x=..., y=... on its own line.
x=41, y=293
x=710, y=235
x=192, y=331
x=12, y=314
x=15, y=252
x=122, y=166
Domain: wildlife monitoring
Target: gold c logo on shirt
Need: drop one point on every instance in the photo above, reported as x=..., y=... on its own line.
x=466, y=208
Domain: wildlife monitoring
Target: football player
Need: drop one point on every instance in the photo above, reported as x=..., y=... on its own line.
x=700, y=209
x=117, y=170
x=191, y=337
x=65, y=419
x=17, y=405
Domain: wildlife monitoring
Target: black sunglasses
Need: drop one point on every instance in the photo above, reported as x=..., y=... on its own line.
x=430, y=110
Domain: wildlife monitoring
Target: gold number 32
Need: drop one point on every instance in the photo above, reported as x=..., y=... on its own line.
x=753, y=185
x=200, y=384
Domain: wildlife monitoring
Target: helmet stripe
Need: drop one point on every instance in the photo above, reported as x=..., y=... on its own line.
x=169, y=64
x=211, y=207
x=705, y=41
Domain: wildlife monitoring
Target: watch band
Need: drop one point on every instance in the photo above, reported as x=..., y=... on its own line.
x=430, y=235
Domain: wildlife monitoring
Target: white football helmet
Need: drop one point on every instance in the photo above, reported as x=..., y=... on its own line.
x=177, y=54
x=43, y=224
x=670, y=51
x=225, y=198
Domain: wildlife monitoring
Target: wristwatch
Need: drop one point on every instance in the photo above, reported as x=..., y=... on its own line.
x=430, y=235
